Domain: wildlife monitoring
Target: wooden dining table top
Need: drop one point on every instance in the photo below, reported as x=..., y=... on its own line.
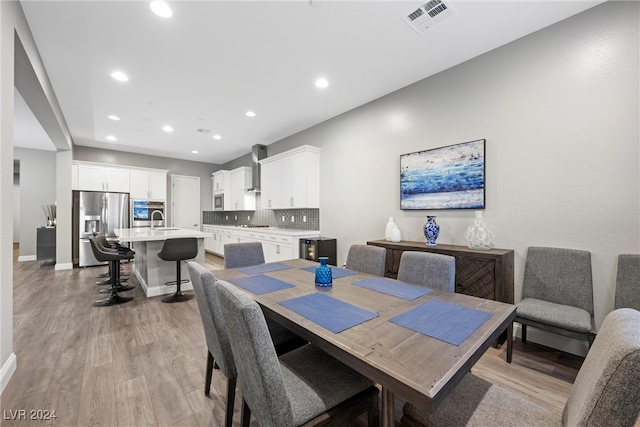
x=416, y=367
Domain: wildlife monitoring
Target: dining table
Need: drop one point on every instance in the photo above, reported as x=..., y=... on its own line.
x=416, y=343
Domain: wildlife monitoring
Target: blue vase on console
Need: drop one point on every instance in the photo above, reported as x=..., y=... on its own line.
x=323, y=273
x=431, y=230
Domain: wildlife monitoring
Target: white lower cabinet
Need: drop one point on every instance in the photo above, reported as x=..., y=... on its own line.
x=276, y=245
x=280, y=248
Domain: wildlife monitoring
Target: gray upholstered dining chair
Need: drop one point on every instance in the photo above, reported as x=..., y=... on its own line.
x=366, y=259
x=557, y=294
x=434, y=271
x=605, y=392
x=217, y=337
x=244, y=254
x=296, y=388
x=215, y=333
x=628, y=282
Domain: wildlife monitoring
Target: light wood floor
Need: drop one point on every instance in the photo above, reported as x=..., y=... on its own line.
x=143, y=362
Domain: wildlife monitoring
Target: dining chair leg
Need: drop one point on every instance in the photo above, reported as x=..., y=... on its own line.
x=231, y=395
x=509, y=342
x=245, y=415
x=209, y=374
x=524, y=334
x=388, y=404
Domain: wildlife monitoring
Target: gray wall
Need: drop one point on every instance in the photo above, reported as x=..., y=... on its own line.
x=175, y=167
x=20, y=56
x=559, y=110
x=37, y=188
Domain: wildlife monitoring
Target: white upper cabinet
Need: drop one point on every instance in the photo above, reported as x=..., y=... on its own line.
x=148, y=184
x=241, y=199
x=221, y=181
x=143, y=184
x=271, y=178
x=93, y=177
x=291, y=179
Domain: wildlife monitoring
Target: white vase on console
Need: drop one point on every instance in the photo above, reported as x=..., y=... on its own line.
x=389, y=229
x=396, y=235
x=478, y=235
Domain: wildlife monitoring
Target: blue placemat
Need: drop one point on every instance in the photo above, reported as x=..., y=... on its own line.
x=261, y=284
x=442, y=320
x=393, y=287
x=263, y=268
x=330, y=313
x=336, y=272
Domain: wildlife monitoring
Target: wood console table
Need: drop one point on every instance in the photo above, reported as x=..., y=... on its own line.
x=485, y=274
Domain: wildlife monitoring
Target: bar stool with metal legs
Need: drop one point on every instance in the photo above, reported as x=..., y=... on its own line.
x=110, y=247
x=179, y=250
x=113, y=257
x=106, y=277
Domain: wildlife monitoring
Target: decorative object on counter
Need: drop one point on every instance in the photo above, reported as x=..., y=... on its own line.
x=395, y=234
x=478, y=235
x=323, y=273
x=50, y=213
x=388, y=229
x=431, y=230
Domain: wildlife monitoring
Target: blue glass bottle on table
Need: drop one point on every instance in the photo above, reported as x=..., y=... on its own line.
x=323, y=273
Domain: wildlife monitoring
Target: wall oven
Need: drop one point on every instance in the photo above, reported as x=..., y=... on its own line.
x=144, y=212
x=218, y=202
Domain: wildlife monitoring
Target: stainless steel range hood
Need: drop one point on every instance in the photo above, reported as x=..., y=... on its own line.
x=258, y=152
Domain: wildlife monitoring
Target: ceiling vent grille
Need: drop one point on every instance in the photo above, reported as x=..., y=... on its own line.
x=429, y=15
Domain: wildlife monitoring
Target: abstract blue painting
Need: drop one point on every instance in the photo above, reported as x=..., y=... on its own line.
x=451, y=177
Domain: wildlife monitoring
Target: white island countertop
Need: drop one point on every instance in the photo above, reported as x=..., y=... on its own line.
x=148, y=234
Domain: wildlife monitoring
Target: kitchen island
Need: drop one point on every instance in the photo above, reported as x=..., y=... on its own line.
x=151, y=271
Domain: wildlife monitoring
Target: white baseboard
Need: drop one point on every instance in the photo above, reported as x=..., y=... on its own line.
x=7, y=370
x=64, y=266
x=559, y=342
x=22, y=258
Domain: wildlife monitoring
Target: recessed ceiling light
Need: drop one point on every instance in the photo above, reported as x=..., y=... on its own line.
x=167, y=128
x=322, y=83
x=112, y=117
x=161, y=8
x=120, y=76
x=111, y=138
x=194, y=151
x=217, y=137
x=250, y=114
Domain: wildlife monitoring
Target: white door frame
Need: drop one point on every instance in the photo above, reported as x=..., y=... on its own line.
x=197, y=178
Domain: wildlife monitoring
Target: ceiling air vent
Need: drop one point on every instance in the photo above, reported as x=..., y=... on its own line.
x=429, y=15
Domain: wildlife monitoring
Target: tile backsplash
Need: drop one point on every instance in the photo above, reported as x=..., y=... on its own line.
x=297, y=219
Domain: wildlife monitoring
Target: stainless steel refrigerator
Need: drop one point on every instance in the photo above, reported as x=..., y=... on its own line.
x=96, y=212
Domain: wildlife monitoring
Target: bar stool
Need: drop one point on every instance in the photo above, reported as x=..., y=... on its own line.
x=113, y=257
x=110, y=247
x=104, y=243
x=180, y=249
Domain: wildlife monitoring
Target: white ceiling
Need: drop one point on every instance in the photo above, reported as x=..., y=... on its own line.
x=212, y=61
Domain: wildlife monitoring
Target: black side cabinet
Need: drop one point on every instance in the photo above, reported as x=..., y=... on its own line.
x=46, y=244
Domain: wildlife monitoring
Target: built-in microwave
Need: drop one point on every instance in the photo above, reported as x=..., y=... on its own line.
x=144, y=213
x=218, y=202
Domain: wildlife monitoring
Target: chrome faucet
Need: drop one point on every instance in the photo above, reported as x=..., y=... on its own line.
x=161, y=216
